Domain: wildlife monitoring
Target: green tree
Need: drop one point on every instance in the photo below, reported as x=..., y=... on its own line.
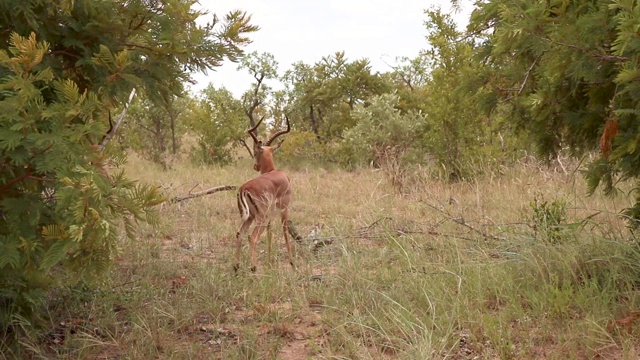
x=324, y=95
x=567, y=73
x=109, y=46
x=455, y=131
x=218, y=120
x=385, y=137
x=61, y=197
x=409, y=79
x=262, y=67
x=154, y=130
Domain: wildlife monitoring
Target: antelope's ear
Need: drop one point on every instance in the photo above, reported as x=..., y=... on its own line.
x=277, y=146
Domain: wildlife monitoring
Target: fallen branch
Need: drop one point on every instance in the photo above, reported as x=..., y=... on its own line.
x=294, y=233
x=202, y=193
x=461, y=221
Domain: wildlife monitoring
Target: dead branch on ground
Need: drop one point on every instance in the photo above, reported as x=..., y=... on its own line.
x=201, y=193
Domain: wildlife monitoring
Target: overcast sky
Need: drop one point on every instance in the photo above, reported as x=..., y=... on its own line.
x=303, y=30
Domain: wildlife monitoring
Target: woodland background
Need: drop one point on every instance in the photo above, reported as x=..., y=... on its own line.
x=499, y=167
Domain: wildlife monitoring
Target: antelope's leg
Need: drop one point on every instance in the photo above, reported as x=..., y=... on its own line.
x=255, y=236
x=243, y=229
x=269, y=242
x=285, y=229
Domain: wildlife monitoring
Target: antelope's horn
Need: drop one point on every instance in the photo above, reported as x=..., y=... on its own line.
x=251, y=131
x=281, y=132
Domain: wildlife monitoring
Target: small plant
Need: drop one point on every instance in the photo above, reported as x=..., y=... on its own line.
x=549, y=219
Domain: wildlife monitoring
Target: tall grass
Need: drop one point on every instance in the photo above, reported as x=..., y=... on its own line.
x=442, y=271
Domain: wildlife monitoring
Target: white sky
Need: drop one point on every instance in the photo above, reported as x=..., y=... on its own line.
x=303, y=30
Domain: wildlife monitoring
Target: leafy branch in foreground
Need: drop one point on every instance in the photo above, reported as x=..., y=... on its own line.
x=573, y=85
x=60, y=208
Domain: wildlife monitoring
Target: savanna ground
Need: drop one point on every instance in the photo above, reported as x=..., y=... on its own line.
x=458, y=271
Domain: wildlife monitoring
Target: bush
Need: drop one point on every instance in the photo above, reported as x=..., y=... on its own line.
x=217, y=120
x=549, y=220
x=384, y=138
x=60, y=207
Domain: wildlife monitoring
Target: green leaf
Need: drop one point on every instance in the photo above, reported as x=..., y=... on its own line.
x=56, y=253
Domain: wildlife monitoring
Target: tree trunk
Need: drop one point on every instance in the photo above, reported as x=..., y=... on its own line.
x=174, y=143
x=314, y=124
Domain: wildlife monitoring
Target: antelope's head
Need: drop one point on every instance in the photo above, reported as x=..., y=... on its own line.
x=263, y=152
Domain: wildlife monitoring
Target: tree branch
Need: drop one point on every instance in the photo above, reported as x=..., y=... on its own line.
x=146, y=128
x=602, y=57
x=247, y=147
x=202, y=193
x=256, y=102
x=113, y=130
x=524, y=82
x=14, y=181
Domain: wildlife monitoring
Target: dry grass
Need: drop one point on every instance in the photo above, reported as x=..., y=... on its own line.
x=442, y=271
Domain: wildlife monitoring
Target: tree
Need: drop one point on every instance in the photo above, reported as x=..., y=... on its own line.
x=567, y=73
x=109, y=46
x=62, y=198
x=324, y=95
x=218, y=121
x=154, y=129
x=456, y=132
x=386, y=137
x=262, y=67
x=409, y=79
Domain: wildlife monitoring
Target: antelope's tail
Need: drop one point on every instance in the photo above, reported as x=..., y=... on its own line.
x=243, y=205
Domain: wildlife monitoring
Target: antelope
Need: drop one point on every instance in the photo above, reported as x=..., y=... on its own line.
x=260, y=197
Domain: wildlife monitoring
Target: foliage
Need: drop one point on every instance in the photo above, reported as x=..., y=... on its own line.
x=59, y=204
x=63, y=199
x=108, y=46
x=217, y=120
x=568, y=72
x=300, y=147
x=458, y=136
x=323, y=96
x=385, y=137
x=549, y=219
x=262, y=67
x=153, y=130
x=410, y=78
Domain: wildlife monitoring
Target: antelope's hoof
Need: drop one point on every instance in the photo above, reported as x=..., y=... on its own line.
x=253, y=269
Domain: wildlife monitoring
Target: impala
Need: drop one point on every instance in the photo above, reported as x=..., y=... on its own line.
x=260, y=197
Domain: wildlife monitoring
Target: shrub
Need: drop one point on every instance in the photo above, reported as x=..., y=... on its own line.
x=549, y=219
x=60, y=206
x=384, y=137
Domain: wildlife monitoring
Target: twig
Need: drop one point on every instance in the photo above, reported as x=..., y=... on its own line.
x=248, y=148
x=461, y=221
x=374, y=223
x=524, y=82
x=113, y=131
x=193, y=187
x=202, y=193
